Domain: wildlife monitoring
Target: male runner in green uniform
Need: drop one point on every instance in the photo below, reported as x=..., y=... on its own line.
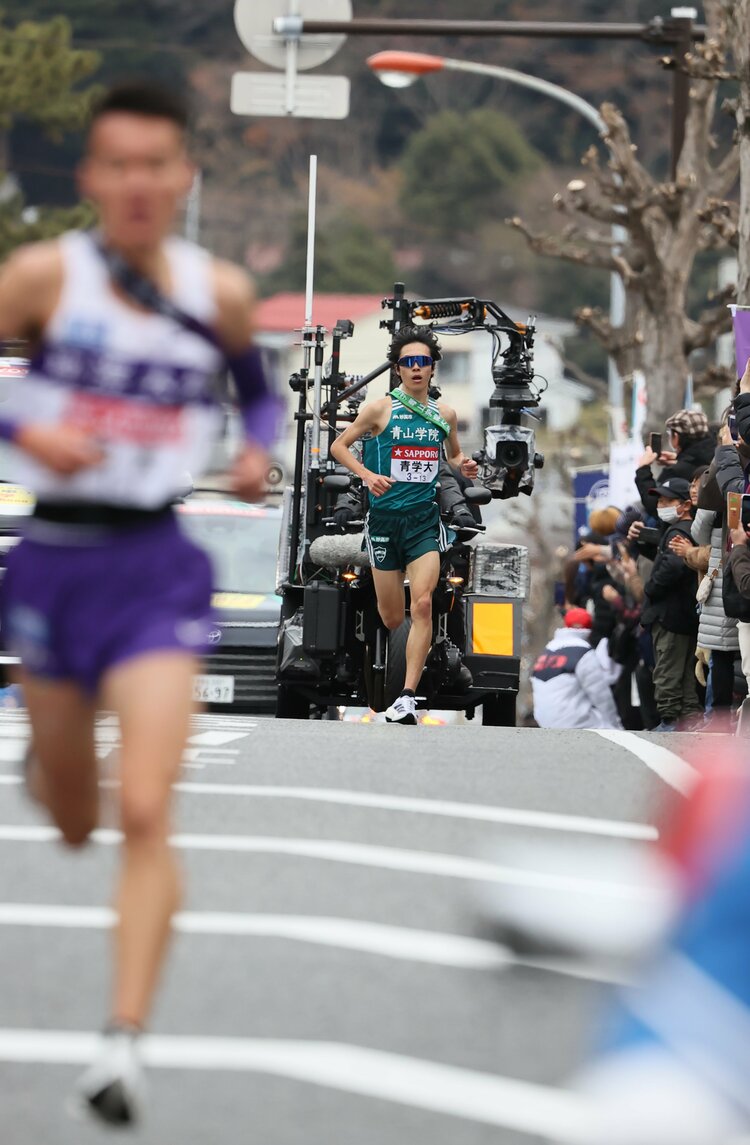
x=403, y=439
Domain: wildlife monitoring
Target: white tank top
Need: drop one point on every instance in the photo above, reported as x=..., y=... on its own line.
x=146, y=389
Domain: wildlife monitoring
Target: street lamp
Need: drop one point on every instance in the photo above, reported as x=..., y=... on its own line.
x=401, y=69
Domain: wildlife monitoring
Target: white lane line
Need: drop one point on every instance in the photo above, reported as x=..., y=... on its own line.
x=458, y=952
x=357, y=854
x=670, y=767
x=510, y=816
x=12, y=750
x=216, y=739
x=468, y=1094
x=454, y=810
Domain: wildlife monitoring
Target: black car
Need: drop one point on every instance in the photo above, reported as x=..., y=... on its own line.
x=239, y=673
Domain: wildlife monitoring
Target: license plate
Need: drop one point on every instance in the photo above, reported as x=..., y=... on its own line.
x=213, y=689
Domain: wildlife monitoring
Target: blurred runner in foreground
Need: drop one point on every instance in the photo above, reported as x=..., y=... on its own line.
x=105, y=600
x=672, y=1067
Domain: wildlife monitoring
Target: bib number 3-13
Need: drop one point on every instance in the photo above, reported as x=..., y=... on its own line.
x=415, y=463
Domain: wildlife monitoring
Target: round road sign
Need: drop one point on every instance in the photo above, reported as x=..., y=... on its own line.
x=254, y=19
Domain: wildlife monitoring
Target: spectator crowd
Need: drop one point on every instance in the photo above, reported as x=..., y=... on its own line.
x=655, y=600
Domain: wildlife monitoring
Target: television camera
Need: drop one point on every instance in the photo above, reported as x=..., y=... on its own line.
x=333, y=648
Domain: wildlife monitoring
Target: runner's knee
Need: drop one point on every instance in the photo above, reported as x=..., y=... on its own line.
x=76, y=830
x=421, y=607
x=144, y=818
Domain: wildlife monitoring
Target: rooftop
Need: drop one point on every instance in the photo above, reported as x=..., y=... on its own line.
x=283, y=313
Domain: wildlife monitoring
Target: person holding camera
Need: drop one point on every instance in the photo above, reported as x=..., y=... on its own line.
x=733, y=476
x=669, y=609
x=692, y=447
x=403, y=436
x=717, y=632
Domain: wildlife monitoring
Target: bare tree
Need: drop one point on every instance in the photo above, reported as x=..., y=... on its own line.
x=737, y=14
x=668, y=224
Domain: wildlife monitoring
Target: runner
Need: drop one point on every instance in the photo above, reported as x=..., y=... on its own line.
x=105, y=600
x=403, y=438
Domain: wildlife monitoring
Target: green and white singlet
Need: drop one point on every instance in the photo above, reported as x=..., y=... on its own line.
x=408, y=450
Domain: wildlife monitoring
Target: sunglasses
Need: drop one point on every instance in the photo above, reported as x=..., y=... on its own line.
x=412, y=360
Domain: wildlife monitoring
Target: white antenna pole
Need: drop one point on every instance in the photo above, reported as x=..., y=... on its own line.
x=311, y=239
x=193, y=208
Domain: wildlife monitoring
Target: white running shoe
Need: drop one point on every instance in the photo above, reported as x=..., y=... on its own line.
x=402, y=711
x=113, y=1089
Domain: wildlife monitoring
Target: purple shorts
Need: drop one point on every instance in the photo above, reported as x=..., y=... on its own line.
x=73, y=611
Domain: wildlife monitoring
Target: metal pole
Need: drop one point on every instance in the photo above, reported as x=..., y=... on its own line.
x=193, y=209
x=311, y=206
x=292, y=56
x=615, y=388
x=657, y=32
x=682, y=22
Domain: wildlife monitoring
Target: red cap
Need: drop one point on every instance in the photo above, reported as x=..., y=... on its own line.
x=577, y=618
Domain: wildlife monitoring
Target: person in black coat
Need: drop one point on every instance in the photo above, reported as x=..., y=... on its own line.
x=692, y=444
x=669, y=610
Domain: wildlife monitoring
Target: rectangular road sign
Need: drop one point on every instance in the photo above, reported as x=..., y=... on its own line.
x=265, y=93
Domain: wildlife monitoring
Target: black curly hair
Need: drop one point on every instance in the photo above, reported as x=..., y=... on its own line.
x=408, y=334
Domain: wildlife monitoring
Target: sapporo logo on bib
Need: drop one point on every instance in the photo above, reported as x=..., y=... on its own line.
x=415, y=463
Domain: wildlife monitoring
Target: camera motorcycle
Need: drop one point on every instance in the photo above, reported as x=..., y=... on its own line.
x=333, y=650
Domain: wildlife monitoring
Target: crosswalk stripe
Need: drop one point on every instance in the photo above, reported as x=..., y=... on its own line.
x=429, y=863
x=526, y=1107
x=455, y=951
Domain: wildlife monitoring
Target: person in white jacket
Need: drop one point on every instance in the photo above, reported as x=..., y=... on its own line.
x=570, y=683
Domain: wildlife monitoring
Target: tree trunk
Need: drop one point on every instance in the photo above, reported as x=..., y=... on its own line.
x=664, y=363
x=739, y=21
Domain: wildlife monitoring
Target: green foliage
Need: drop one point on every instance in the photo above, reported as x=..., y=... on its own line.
x=39, y=74
x=456, y=169
x=18, y=225
x=349, y=258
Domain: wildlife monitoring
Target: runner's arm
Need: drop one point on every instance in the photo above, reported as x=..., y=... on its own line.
x=368, y=419
x=236, y=302
x=454, y=454
x=30, y=285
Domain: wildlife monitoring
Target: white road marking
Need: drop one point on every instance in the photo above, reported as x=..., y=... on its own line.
x=357, y=854
x=473, y=1096
x=670, y=767
x=401, y=943
x=216, y=739
x=510, y=816
x=12, y=750
x=459, y=952
x=455, y=810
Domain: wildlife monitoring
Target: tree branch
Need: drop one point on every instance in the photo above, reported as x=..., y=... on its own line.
x=720, y=225
x=712, y=323
x=598, y=385
x=560, y=246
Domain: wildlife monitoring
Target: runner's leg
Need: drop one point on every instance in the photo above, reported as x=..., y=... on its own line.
x=64, y=776
x=423, y=575
x=152, y=697
x=389, y=589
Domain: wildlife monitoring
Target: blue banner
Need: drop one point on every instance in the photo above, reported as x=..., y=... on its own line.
x=590, y=488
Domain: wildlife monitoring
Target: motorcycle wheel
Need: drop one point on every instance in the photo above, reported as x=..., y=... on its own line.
x=384, y=687
x=290, y=705
x=499, y=710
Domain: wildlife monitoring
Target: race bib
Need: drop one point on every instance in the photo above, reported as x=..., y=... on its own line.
x=415, y=463
x=116, y=419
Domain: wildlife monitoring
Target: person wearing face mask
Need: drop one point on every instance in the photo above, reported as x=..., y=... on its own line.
x=669, y=610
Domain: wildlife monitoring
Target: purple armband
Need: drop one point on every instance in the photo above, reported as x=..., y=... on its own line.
x=261, y=409
x=8, y=429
